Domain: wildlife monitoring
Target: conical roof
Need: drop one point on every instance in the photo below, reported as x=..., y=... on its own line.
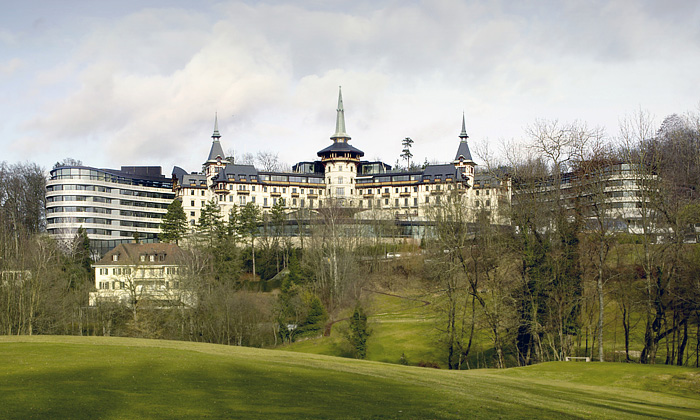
x=340, y=119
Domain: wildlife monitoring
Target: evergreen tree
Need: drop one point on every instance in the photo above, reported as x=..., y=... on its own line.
x=406, y=154
x=359, y=333
x=248, y=220
x=173, y=227
x=210, y=225
x=316, y=316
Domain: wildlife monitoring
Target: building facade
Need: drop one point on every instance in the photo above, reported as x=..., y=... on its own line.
x=132, y=273
x=113, y=206
x=340, y=177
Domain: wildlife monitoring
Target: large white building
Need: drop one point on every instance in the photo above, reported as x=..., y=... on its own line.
x=342, y=178
x=111, y=205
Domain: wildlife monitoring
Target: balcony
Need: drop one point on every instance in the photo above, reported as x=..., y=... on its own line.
x=243, y=192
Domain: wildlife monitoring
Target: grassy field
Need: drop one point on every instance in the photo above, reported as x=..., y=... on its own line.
x=119, y=378
x=399, y=326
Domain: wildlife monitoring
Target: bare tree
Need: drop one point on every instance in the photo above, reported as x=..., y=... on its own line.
x=268, y=161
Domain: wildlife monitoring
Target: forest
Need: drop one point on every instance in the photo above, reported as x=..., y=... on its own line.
x=540, y=289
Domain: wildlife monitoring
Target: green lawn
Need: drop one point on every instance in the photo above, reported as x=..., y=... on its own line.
x=119, y=378
x=399, y=326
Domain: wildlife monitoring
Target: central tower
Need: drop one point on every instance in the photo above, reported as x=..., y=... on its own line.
x=340, y=160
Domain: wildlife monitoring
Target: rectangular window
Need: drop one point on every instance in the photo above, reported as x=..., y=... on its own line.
x=340, y=191
x=192, y=203
x=252, y=199
x=396, y=202
x=264, y=201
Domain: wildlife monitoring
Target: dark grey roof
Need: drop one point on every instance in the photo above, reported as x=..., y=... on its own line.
x=236, y=171
x=340, y=147
x=444, y=169
x=129, y=254
x=193, y=180
x=463, y=151
x=178, y=172
x=216, y=151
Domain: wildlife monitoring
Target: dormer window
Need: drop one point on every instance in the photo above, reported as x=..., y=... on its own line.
x=152, y=257
x=115, y=257
x=142, y=257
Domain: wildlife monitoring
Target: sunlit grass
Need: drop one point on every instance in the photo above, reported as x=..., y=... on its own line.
x=120, y=378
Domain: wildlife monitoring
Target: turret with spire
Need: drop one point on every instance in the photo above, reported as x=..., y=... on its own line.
x=463, y=159
x=340, y=147
x=216, y=158
x=340, y=160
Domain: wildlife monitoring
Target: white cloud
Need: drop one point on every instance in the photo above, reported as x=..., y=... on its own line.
x=142, y=87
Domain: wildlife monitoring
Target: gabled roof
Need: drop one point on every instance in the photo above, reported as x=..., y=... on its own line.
x=129, y=254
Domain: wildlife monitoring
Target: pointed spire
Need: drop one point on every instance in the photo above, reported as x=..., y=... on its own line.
x=463, y=151
x=340, y=120
x=216, y=136
x=463, y=135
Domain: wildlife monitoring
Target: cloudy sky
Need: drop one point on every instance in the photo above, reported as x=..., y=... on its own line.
x=134, y=82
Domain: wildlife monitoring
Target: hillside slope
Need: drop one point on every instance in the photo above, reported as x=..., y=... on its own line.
x=120, y=378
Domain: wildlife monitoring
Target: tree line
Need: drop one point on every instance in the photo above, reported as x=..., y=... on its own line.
x=601, y=231
x=549, y=286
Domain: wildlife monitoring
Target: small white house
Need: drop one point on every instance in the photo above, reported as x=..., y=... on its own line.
x=131, y=273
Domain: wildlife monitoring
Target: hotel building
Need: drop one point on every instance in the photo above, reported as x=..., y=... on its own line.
x=340, y=177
